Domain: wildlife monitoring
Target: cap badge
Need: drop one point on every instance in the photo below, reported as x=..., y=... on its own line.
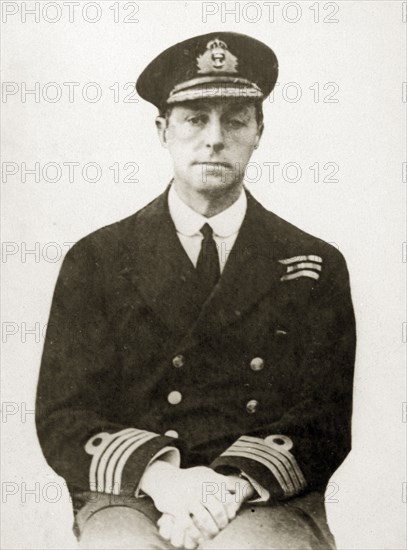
x=217, y=57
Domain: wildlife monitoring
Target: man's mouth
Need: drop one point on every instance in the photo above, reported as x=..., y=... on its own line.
x=212, y=164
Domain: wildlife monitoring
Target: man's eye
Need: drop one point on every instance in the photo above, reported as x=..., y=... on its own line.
x=236, y=123
x=196, y=119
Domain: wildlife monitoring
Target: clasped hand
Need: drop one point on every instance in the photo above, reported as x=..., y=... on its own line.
x=196, y=502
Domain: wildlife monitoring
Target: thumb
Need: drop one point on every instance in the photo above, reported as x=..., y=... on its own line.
x=232, y=505
x=232, y=483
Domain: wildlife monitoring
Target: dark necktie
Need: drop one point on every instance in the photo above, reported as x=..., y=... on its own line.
x=207, y=267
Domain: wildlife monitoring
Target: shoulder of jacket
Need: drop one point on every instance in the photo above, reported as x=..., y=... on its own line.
x=114, y=235
x=298, y=242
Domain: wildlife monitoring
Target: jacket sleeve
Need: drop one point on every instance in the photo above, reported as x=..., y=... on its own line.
x=303, y=448
x=76, y=425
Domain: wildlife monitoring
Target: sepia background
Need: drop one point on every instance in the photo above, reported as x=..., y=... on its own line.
x=80, y=151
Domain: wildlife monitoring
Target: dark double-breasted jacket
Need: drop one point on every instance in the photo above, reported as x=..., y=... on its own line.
x=258, y=378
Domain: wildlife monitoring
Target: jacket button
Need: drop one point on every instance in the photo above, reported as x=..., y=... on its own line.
x=281, y=441
x=257, y=363
x=174, y=397
x=251, y=406
x=171, y=433
x=178, y=361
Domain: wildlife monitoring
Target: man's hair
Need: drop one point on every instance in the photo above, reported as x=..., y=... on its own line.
x=166, y=109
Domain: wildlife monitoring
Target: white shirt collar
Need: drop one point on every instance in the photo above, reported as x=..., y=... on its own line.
x=188, y=222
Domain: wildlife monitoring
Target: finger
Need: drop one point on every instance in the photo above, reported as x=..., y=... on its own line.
x=217, y=510
x=164, y=518
x=242, y=489
x=192, y=537
x=232, y=483
x=169, y=524
x=193, y=532
x=190, y=543
x=165, y=525
x=203, y=520
x=232, y=505
x=179, y=528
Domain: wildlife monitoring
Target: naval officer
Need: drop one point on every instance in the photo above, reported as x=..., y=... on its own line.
x=196, y=380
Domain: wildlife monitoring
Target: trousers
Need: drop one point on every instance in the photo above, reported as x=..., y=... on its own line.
x=105, y=522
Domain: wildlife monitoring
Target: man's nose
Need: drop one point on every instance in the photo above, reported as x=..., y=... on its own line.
x=214, y=135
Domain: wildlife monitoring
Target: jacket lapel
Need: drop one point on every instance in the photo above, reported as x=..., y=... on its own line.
x=166, y=278
x=163, y=273
x=251, y=271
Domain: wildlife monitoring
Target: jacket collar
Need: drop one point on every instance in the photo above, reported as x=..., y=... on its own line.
x=167, y=281
x=188, y=222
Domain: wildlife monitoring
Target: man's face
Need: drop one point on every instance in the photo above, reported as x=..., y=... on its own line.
x=210, y=142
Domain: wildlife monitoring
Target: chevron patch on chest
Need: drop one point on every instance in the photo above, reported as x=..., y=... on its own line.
x=302, y=266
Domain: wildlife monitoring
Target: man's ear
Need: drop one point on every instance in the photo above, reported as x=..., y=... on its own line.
x=259, y=134
x=161, y=125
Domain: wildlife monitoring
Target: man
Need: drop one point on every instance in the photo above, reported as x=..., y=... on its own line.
x=196, y=381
